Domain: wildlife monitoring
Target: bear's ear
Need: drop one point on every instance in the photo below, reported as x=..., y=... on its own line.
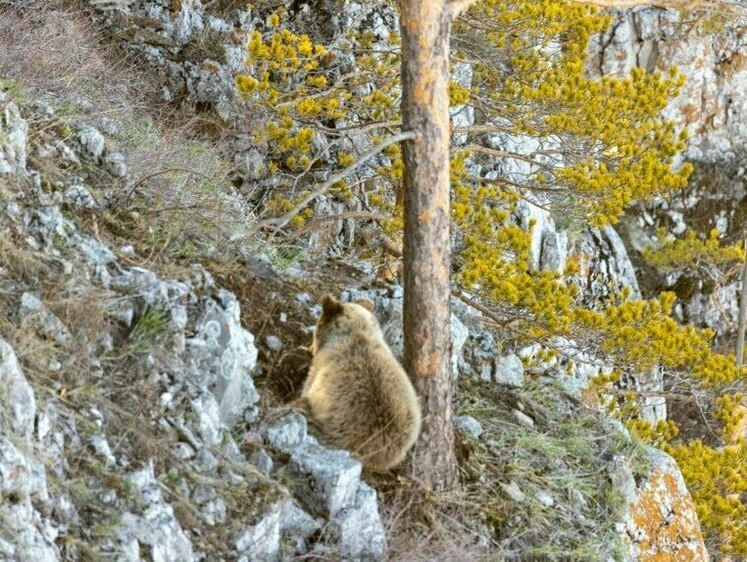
x=331, y=307
x=366, y=303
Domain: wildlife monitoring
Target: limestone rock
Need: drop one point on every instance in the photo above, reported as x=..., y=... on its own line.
x=662, y=521
x=92, y=141
x=327, y=479
x=286, y=434
x=13, y=139
x=604, y=265
x=711, y=105
x=155, y=527
x=469, y=425
x=261, y=542
x=43, y=319
x=17, y=404
x=358, y=529
x=509, y=370
x=297, y=527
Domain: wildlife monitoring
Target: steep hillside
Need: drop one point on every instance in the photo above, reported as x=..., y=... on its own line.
x=154, y=321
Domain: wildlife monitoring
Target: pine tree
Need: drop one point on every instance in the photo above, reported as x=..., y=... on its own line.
x=594, y=147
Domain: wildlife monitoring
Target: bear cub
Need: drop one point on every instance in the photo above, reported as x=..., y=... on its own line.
x=356, y=393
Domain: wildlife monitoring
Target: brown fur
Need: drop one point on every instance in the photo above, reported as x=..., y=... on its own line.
x=356, y=392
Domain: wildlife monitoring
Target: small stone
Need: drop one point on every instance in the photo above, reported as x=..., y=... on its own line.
x=43, y=319
x=261, y=541
x=43, y=108
x=94, y=252
x=92, y=141
x=209, y=426
x=262, y=461
x=115, y=164
x=156, y=527
x=274, y=343
x=296, y=527
x=283, y=317
x=358, y=529
x=167, y=400
x=513, y=491
x=78, y=196
x=622, y=478
x=17, y=404
x=522, y=418
x=509, y=370
x=286, y=434
x=469, y=425
x=327, y=479
x=459, y=335
x=182, y=451
x=214, y=511
x=305, y=299
x=66, y=153
x=16, y=474
x=253, y=164
x=545, y=498
x=101, y=446
x=206, y=460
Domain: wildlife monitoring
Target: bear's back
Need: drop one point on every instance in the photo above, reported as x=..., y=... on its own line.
x=362, y=399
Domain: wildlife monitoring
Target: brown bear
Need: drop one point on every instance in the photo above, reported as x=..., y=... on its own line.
x=356, y=393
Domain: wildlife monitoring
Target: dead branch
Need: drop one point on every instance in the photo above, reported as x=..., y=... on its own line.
x=361, y=215
x=279, y=222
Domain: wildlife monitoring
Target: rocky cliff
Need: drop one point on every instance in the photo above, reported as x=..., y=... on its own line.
x=149, y=341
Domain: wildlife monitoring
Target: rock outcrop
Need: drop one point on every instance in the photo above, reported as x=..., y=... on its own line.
x=135, y=429
x=131, y=446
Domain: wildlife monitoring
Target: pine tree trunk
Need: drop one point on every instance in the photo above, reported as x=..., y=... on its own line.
x=425, y=111
x=742, y=312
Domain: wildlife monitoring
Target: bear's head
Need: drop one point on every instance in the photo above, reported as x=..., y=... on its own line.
x=344, y=318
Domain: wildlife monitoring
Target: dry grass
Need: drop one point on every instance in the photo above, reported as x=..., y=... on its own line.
x=565, y=456
x=180, y=205
x=119, y=377
x=180, y=208
x=57, y=53
x=175, y=211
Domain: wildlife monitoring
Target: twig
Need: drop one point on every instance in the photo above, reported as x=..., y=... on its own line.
x=504, y=154
x=279, y=222
x=363, y=215
x=142, y=180
x=485, y=310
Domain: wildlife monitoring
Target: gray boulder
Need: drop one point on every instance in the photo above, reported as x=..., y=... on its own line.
x=327, y=479
x=17, y=404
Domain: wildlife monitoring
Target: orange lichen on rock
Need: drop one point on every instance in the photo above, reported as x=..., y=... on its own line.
x=662, y=524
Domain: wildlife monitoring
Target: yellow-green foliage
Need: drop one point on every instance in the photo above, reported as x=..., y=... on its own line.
x=717, y=480
x=615, y=148
x=691, y=251
x=602, y=144
x=303, y=91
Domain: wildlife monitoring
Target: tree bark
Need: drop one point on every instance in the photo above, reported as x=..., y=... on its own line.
x=742, y=311
x=425, y=111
